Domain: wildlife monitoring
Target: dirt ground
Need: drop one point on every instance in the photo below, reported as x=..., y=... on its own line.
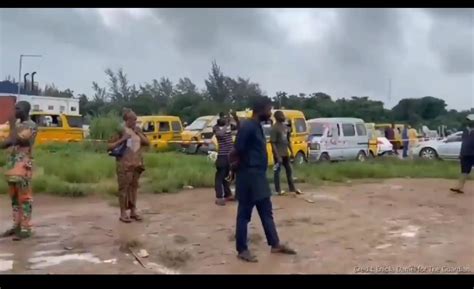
x=396, y=226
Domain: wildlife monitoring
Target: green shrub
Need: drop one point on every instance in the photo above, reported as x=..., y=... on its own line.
x=104, y=127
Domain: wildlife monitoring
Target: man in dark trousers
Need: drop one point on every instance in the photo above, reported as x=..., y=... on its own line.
x=223, y=132
x=252, y=188
x=390, y=135
x=467, y=154
x=281, y=144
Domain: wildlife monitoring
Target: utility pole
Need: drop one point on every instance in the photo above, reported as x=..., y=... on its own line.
x=19, y=69
x=390, y=91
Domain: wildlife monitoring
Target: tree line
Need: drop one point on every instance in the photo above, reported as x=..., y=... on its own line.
x=223, y=92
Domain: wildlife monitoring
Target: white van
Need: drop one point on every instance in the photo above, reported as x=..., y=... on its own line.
x=339, y=138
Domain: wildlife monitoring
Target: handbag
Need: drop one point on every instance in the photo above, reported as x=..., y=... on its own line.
x=119, y=151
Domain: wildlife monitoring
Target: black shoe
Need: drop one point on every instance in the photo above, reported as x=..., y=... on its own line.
x=9, y=233
x=247, y=257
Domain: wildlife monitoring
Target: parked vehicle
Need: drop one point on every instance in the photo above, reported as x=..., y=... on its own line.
x=298, y=129
x=60, y=128
x=334, y=139
x=398, y=132
x=446, y=149
x=379, y=145
x=163, y=131
x=192, y=135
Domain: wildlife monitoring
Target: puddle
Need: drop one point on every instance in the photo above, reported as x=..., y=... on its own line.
x=48, y=261
x=383, y=246
x=409, y=231
x=47, y=252
x=110, y=261
x=46, y=244
x=6, y=265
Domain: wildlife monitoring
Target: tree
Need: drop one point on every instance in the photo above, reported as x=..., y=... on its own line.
x=216, y=85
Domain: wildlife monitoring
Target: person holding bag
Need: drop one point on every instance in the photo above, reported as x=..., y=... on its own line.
x=126, y=147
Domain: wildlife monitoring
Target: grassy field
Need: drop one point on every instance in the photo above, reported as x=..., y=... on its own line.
x=80, y=169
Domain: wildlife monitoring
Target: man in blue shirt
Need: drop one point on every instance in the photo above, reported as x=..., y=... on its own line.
x=466, y=155
x=252, y=188
x=405, y=141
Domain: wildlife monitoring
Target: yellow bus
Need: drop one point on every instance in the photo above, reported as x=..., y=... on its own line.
x=163, y=131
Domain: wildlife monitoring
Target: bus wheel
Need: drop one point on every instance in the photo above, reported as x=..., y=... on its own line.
x=299, y=159
x=325, y=158
x=361, y=156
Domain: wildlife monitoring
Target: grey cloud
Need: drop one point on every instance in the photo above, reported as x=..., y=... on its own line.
x=355, y=55
x=68, y=26
x=452, y=38
x=365, y=37
x=204, y=29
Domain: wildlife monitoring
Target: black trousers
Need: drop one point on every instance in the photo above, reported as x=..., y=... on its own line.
x=467, y=162
x=289, y=174
x=244, y=214
x=222, y=186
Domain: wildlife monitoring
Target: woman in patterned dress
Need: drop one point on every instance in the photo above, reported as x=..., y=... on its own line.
x=129, y=165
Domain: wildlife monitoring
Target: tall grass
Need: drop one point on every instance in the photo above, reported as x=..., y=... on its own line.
x=104, y=127
x=81, y=169
x=169, y=172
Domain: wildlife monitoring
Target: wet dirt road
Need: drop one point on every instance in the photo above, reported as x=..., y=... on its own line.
x=397, y=226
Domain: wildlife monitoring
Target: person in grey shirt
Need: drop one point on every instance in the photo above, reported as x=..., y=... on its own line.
x=281, y=144
x=467, y=154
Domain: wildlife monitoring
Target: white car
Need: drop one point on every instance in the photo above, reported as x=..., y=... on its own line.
x=446, y=149
x=384, y=146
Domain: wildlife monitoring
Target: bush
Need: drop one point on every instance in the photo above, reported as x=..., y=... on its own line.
x=104, y=127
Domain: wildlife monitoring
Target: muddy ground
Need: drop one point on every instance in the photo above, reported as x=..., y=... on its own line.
x=396, y=226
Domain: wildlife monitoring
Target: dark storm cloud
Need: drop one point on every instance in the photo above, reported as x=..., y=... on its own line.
x=452, y=38
x=67, y=26
x=201, y=30
x=365, y=37
x=343, y=52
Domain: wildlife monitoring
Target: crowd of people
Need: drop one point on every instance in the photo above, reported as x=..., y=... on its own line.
x=409, y=139
x=244, y=161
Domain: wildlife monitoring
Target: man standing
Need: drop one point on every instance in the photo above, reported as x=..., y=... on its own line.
x=405, y=141
x=223, y=132
x=390, y=135
x=467, y=154
x=19, y=170
x=252, y=188
x=413, y=140
x=281, y=144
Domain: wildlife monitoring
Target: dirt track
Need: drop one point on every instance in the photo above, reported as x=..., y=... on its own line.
x=416, y=225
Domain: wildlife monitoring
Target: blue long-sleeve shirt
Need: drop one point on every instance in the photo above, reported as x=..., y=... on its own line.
x=251, y=181
x=251, y=146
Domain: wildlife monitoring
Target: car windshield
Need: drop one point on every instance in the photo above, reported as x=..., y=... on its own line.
x=198, y=124
x=316, y=128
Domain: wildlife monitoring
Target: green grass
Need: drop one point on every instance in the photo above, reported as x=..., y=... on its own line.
x=378, y=169
x=77, y=170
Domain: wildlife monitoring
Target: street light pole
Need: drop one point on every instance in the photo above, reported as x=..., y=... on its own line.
x=19, y=69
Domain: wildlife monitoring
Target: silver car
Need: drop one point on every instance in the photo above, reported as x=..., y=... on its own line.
x=446, y=149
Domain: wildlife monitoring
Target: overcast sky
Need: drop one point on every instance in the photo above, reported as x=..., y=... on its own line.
x=342, y=52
